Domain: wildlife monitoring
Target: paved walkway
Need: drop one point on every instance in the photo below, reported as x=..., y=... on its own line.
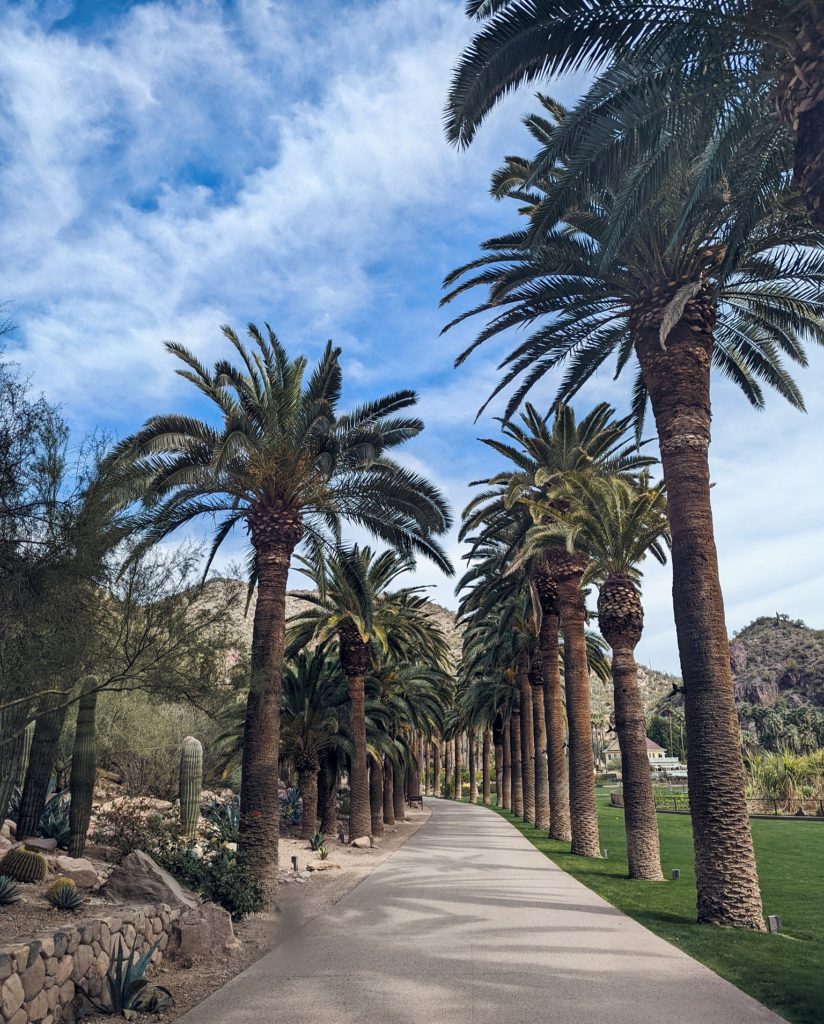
x=469, y=924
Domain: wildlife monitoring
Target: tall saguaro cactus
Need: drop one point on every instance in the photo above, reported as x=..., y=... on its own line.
x=84, y=769
x=191, y=783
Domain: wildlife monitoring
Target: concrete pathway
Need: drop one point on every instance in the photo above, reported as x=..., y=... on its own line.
x=468, y=924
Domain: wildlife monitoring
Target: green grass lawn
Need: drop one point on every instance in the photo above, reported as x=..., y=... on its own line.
x=784, y=971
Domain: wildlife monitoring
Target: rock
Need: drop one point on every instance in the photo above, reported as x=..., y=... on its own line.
x=362, y=842
x=33, y=978
x=12, y=995
x=21, y=1017
x=204, y=930
x=79, y=870
x=9, y=828
x=40, y=844
x=38, y=1007
x=323, y=865
x=137, y=879
x=64, y=970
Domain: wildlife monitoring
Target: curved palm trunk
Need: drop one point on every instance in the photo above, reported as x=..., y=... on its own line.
x=678, y=381
x=259, y=803
x=328, y=795
x=621, y=618
x=457, y=766
x=436, y=768
x=47, y=731
x=398, y=795
x=12, y=724
x=473, y=778
x=308, y=786
x=388, y=794
x=376, y=795
x=583, y=814
x=360, y=814
x=555, y=719
x=527, y=740
x=539, y=740
x=486, y=783
x=515, y=742
x=506, y=761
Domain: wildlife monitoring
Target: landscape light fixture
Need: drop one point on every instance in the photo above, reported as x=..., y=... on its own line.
x=295, y=864
x=774, y=923
x=676, y=874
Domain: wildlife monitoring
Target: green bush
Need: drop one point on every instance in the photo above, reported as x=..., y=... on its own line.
x=218, y=874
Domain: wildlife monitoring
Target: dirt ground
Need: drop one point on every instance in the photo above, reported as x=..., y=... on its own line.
x=300, y=899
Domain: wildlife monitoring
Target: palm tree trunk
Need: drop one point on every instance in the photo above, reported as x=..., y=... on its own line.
x=527, y=740
x=506, y=761
x=47, y=729
x=799, y=93
x=376, y=795
x=678, y=381
x=328, y=795
x=583, y=814
x=539, y=731
x=427, y=778
x=388, y=794
x=473, y=779
x=259, y=802
x=436, y=768
x=397, y=794
x=486, y=783
x=555, y=717
x=308, y=786
x=457, y=767
x=448, y=781
x=515, y=741
x=413, y=772
x=360, y=815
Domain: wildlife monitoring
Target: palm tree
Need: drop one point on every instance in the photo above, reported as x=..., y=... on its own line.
x=547, y=461
x=618, y=525
x=735, y=63
x=287, y=466
x=352, y=603
x=311, y=722
x=679, y=311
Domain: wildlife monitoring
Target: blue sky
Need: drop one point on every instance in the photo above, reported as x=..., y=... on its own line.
x=168, y=167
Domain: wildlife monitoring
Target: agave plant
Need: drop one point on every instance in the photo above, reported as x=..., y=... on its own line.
x=317, y=841
x=63, y=894
x=225, y=817
x=127, y=987
x=9, y=891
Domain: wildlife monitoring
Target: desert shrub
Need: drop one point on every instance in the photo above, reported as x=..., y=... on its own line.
x=210, y=867
x=139, y=741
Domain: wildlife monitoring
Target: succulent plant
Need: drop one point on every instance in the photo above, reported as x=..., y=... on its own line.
x=63, y=894
x=323, y=852
x=9, y=891
x=191, y=783
x=128, y=990
x=318, y=841
x=24, y=865
x=84, y=770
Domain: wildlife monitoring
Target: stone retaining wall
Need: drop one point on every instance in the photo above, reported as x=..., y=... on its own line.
x=38, y=977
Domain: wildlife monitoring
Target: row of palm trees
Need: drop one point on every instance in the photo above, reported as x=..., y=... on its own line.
x=286, y=464
x=672, y=223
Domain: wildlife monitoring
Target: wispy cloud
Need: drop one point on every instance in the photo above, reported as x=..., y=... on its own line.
x=169, y=166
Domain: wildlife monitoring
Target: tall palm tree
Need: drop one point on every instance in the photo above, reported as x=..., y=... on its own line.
x=287, y=466
x=738, y=61
x=352, y=603
x=679, y=311
x=618, y=525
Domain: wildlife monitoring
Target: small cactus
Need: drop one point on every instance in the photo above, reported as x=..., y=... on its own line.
x=9, y=891
x=191, y=784
x=24, y=865
x=63, y=894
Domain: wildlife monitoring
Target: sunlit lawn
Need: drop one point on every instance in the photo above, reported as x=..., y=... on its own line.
x=785, y=971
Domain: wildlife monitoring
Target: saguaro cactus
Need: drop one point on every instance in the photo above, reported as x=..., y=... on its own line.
x=191, y=783
x=84, y=770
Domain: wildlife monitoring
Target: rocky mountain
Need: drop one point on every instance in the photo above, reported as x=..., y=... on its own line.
x=778, y=657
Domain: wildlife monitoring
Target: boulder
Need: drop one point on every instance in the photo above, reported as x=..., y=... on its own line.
x=40, y=844
x=79, y=870
x=138, y=879
x=322, y=865
x=362, y=842
x=200, y=932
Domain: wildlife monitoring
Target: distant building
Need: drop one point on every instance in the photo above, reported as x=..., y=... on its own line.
x=657, y=757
